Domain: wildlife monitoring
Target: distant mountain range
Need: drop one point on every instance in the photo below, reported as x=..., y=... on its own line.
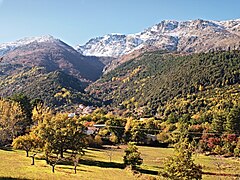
x=184, y=36
x=48, y=68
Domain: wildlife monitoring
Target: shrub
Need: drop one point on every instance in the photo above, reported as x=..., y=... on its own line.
x=163, y=137
x=237, y=152
x=218, y=150
x=98, y=141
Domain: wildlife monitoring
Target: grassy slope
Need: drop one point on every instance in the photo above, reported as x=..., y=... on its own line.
x=96, y=165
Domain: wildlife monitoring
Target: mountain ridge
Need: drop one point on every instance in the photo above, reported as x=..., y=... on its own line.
x=53, y=54
x=171, y=35
x=10, y=46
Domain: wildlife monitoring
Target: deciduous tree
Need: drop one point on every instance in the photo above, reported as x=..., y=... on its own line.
x=132, y=156
x=61, y=133
x=26, y=142
x=11, y=118
x=181, y=166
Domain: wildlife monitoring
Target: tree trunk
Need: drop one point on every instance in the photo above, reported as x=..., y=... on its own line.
x=26, y=153
x=53, y=166
x=32, y=160
x=75, y=169
x=61, y=153
x=47, y=158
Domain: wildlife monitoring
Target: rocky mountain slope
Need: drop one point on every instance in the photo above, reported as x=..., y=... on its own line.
x=185, y=36
x=52, y=54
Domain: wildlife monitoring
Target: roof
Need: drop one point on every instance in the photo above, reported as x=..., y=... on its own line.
x=99, y=125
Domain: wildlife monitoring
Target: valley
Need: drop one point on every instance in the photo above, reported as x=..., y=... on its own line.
x=161, y=103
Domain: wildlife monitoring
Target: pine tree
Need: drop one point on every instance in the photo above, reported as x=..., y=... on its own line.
x=233, y=121
x=218, y=122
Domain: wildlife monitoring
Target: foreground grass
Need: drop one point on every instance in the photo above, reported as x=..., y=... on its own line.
x=14, y=164
x=96, y=165
x=214, y=167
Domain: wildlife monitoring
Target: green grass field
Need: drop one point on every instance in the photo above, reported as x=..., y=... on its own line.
x=96, y=165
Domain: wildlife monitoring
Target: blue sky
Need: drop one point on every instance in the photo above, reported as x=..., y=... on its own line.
x=76, y=21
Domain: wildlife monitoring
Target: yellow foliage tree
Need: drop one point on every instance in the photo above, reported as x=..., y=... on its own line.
x=11, y=120
x=41, y=112
x=26, y=142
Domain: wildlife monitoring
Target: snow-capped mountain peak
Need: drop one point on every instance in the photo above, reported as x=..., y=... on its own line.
x=43, y=38
x=6, y=47
x=189, y=36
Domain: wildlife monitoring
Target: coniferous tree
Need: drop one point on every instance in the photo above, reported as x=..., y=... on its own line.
x=233, y=121
x=218, y=122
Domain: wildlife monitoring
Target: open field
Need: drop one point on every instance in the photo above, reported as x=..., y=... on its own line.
x=96, y=165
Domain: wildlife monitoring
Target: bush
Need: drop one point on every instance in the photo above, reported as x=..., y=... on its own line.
x=163, y=137
x=236, y=152
x=218, y=150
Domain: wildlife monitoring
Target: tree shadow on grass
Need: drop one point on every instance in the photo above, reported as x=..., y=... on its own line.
x=72, y=168
x=11, y=178
x=102, y=164
x=221, y=174
x=6, y=149
x=95, y=149
x=146, y=171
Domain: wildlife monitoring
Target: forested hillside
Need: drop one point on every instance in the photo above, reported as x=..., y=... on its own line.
x=56, y=88
x=147, y=84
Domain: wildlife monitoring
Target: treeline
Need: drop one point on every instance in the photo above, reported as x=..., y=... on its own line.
x=55, y=133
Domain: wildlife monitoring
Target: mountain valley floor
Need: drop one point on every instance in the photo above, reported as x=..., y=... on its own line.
x=95, y=164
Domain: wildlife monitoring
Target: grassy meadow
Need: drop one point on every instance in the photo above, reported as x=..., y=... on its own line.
x=96, y=165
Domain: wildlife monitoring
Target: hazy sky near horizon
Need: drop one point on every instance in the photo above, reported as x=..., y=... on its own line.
x=76, y=21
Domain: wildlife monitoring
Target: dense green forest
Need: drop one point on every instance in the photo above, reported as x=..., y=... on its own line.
x=154, y=82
